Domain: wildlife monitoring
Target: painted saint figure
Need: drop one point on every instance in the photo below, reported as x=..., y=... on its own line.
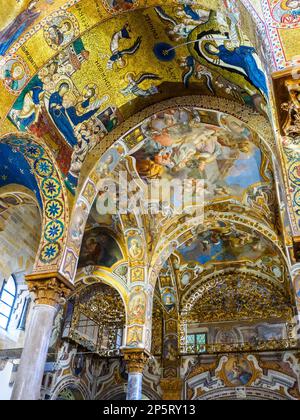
x=118, y=56
x=59, y=32
x=240, y=57
x=134, y=83
x=18, y=26
x=287, y=11
x=13, y=76
x=66, y=119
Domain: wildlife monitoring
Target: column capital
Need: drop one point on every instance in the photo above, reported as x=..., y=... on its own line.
x=49, y=288
x=171, y=388
x=136, y=359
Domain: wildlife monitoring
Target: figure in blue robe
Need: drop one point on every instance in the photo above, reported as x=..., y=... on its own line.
x=67, y=118
x=35, y=90
x=242, y=57
x=18, y=26
x=191, y=13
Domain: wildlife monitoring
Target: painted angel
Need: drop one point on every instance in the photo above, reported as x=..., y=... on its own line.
x=18, y=26
x=118, y=55
x=176, y=31
x=133, y=87
x=194, y=69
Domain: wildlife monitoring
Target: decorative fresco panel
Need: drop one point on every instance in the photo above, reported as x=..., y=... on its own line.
x=99, y=249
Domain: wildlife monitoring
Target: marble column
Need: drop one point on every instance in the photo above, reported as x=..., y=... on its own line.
x=48, y=293
x=136, y=360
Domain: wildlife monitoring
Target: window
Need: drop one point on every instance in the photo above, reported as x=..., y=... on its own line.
x=23, y=317
x=7, y=300
x=196, y=343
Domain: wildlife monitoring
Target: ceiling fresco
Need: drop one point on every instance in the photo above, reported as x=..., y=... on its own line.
x=192, y=144
x=99, y=249
x=227, y=244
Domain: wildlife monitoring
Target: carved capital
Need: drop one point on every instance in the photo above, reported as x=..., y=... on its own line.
x=49, y=289
x=171, y=388
x=136, y=359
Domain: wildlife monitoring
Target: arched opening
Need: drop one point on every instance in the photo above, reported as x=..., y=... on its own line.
x=20, y=220
x=96, y=320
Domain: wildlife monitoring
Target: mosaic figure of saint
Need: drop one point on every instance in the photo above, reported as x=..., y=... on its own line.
x=287, y=11
x=58, y=33
x=18, y=26
x=13, y=76
x=67, y=118
x=241, y=57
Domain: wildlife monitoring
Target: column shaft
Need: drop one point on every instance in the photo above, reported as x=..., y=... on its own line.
x=34, y=355
x=135, y=386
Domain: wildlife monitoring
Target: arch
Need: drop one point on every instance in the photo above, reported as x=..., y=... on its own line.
x=100, y=275
x=98, y=305
x=55, y=207
x=177, y=237
x=16, y=194
x=90, y=181
x=20, y=221
x=72, y=382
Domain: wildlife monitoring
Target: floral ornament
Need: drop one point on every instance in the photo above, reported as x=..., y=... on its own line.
x=50, y=252
x=44, y=168
x=54, y=231
x=33, y=151
x=54, y=209
x=294, y=173
x=51, y=187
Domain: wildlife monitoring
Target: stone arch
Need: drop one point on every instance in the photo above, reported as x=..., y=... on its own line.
x=113, y=294
x=55, y=207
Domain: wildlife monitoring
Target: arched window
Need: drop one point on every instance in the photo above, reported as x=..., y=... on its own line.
x=7, y=300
